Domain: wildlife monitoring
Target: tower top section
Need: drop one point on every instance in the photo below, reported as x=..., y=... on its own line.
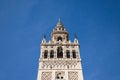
x=59, y=35
x=59, y=28
x=59, y=32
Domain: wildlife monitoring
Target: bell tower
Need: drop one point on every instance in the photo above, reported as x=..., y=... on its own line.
x=60, y=58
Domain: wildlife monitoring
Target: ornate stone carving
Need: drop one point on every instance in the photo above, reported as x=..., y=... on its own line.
x=46, y=75
x=59, y=64
x=60, y=75
x=72, y=75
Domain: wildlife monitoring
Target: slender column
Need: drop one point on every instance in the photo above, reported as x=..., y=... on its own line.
x=66, y=75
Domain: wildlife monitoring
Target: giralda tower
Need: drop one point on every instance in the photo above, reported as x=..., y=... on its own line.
x=60, y=58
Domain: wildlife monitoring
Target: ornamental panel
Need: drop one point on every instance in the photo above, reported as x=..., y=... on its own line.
x=46, y=75
x=72, y=75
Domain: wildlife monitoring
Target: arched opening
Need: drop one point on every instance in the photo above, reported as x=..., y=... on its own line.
x=59, y=28
x=59, y=52
x=74, y=54
x=45, y=54
x=62, y=28
x=59, y=76
x=51, y=54
x=68, y=54
x=59, y=38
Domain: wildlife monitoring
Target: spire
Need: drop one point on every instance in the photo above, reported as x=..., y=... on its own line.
x=75, y=36
x=59, y=27
x=44, y=39
x=44, y=36
x=59, y=22
x=59, y=19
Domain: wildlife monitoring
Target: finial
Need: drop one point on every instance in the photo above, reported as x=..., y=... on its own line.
x=59, y=22
x=75, y=36
x=44, y=36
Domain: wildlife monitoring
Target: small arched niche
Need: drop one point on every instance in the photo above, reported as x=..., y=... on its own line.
x=59, y=52
x=45, y=54
x=51, y=54
x=67, y=53
x=74, y=53
x=59, y=38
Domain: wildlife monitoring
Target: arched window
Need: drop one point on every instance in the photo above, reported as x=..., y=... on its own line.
x=74, y=54
x=67, y=53
x=51, y=54
x=59, y=76
x=59, y=38
x=59, y=28
x=59, y=52
x=45, y=54
x=62, y=28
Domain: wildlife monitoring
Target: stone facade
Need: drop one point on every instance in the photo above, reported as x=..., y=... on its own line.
x=60, y=58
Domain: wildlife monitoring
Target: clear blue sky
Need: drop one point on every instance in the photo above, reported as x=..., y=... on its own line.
x=23, y=23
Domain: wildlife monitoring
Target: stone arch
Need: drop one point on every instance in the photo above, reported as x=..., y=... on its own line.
x=74, y=53
x=52, y=54
x=59, y=52
x=46, y=54
x=59, y=38
x=67, y=53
